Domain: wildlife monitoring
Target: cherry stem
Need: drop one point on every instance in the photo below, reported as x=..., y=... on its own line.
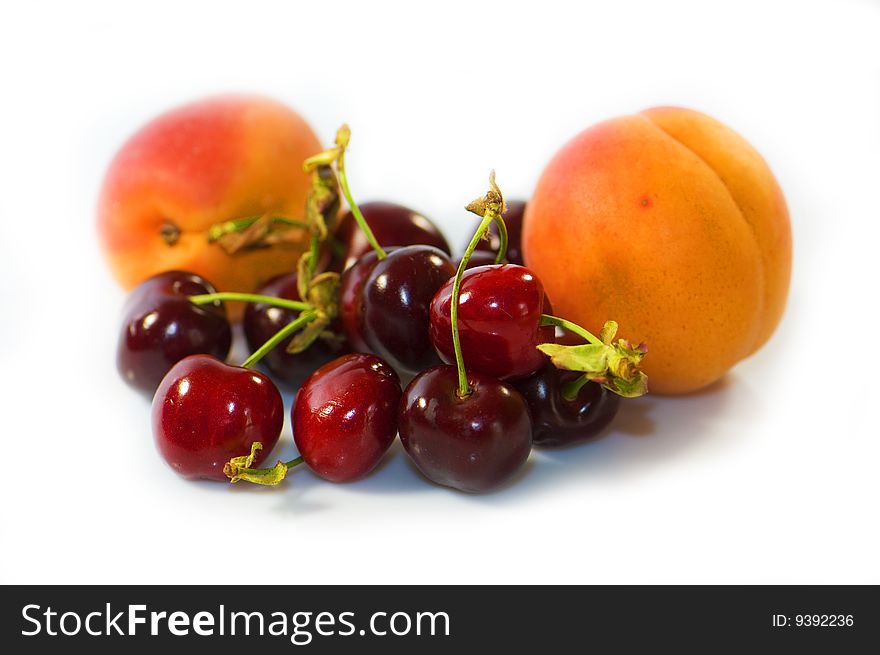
x=571, y=390
x=301, y=321
x=208, y=298
x=239, y=468
x=261, y=475
x=464, y=388
x=355, y=210
x=490, y=207
x=502, y=237
x=314, y=252
x=547, y=319
x=218, y=230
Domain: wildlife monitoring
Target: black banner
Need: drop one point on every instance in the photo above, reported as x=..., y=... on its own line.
x=439, y=619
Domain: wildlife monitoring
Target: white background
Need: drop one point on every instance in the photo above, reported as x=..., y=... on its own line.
x=770, y=476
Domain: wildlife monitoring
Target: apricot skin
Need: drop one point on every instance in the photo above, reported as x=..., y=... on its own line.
x=671, y=224
x=206, y=162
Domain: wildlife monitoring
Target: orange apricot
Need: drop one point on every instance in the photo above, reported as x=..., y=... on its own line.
x=207, y=162
x=671, y=224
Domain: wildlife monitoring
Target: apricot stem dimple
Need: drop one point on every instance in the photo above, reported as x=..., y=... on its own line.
x=169, y=232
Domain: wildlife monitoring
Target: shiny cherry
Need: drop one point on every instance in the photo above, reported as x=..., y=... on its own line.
x=499, y=316
x=559, y=422
x=513, y=219
x=206, y=412
x=345, y=416
x=261, y=321
x=473, y=443
x=392, y=225
x=397, y=297
x=161, y=327
x=351, y=300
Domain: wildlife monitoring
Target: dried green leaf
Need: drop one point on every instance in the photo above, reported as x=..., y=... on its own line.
x=609, y=330
x=323, y=293
x=616, y=367
x=305, y=337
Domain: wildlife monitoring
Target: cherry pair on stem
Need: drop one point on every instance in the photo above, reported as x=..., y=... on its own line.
x=206, y=414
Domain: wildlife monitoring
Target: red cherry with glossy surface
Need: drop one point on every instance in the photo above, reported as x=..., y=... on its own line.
x=396, y=311
x=262, y=321
x=392, y=225
x=345, y=416
x=351, y=300
x=513, y=220
x=560, y=422
x=161, y=327
x=473, y=443
x=206, y=412
x=499, y=321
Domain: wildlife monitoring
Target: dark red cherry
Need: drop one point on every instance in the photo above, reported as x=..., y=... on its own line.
x=345, y=416
x=396, y=304
x=206, y=412
x=160, y=327
x=392, y=225
x=172, y=283
x=351, y=300
x=559, y=422
x=261, y=321
x=499, y=315
x=513, y=219
x=473, y=443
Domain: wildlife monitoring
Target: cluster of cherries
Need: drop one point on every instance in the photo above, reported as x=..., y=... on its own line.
x=477, y=339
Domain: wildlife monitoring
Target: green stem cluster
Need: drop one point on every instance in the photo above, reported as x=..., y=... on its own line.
x=616, y=365
x=337, y=155
x=571, y=390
